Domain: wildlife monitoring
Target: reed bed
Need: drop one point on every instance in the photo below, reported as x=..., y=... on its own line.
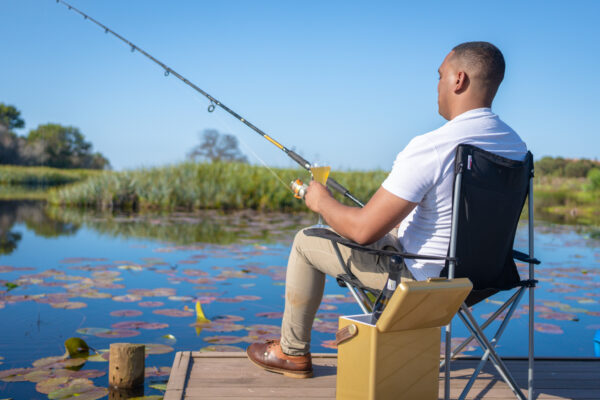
x=43, y=176
x=192, y=186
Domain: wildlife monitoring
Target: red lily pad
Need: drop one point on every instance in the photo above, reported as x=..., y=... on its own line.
x=157, y=348
x=151, y=304
x=223, y=339
x=118, y=333
x=270, y=315
x=69, y=305
x=15, y=374
x=227, y=318
x=126, y=313
x=127, y=298
x=247, y=297
x=218, y=327
x=220, y=348
x=548, y=328
x=151, y=372
x=330, y=344
x=559, y=316
x=173, y=312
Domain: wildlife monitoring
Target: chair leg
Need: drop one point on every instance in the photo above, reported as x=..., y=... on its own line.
x=472, y=325
x=359, y=300
x=491, y=319
x=448, y=347
x=493, y=342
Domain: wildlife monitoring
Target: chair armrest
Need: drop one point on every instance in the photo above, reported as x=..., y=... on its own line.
x=331, y=235
x=517, y=255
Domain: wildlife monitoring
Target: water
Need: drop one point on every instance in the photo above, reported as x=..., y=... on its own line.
x=77, y=271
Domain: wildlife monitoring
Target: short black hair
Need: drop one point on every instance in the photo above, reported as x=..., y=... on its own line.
x=486, y=58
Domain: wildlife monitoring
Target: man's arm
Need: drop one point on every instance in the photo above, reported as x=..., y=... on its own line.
x=364, y=225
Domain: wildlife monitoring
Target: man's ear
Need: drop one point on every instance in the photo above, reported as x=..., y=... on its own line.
x=461, y=83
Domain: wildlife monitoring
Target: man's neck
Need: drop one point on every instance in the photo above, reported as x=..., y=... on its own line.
x=468, y=106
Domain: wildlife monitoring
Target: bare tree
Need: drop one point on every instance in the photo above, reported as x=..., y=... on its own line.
x=217, y=147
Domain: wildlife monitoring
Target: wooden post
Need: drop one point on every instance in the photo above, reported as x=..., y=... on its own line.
x=126, y=365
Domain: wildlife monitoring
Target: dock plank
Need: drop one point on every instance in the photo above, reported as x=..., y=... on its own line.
x=197, y=375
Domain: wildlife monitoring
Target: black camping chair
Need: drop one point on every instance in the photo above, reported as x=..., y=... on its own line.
x=488, y=197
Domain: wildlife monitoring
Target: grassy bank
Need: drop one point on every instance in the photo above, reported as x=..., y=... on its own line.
x=42, y=176
x=567, y=200
x=191, y=186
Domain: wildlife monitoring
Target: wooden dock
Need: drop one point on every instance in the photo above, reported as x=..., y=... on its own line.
x=229, y=376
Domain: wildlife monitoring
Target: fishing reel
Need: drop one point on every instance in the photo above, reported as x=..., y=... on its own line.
x=299, y=188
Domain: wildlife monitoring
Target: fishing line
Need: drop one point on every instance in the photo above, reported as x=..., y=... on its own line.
x=214, y=102
x=248, y=148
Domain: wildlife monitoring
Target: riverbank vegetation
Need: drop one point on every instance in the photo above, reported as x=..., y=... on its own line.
x=193, y=186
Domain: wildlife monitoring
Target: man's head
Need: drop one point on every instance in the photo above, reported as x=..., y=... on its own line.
x=469, y=78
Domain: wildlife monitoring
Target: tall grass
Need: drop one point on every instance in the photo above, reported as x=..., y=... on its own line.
x=192, y=186
x=42, y=176
x=229, y=186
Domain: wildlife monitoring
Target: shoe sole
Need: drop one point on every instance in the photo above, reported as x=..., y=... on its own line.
x=284, y=372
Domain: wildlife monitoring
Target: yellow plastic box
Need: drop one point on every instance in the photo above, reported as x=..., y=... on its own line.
x=398, y=358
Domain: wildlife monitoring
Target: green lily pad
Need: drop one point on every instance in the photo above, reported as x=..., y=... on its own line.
x=82, y=389
x=91, y=331
x=77, y=347
x=50, y=385
x=157, y=348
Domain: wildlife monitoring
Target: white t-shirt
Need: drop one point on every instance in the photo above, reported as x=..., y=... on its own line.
x=423, y=173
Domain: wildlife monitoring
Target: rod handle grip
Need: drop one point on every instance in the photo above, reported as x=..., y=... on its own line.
x=333, y=184
x=299, y=159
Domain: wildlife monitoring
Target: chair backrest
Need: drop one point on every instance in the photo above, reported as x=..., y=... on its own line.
x=493, y=190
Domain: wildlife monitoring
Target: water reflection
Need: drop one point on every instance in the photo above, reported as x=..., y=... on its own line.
x=180, y=228
x=35, y=217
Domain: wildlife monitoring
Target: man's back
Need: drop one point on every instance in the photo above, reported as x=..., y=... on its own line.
x=423, y=173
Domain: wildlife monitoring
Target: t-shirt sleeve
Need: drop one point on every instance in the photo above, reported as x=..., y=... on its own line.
x=415, y=171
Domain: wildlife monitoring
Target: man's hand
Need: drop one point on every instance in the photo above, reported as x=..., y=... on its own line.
x=315, y=195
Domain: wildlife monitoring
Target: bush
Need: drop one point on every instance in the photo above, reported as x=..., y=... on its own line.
x=594, y=179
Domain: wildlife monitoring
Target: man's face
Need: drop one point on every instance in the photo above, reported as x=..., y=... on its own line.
x=446, y=85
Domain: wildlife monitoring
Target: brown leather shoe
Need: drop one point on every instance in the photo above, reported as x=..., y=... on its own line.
x=269, y=356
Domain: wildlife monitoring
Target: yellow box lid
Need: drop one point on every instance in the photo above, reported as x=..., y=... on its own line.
x=423, y=304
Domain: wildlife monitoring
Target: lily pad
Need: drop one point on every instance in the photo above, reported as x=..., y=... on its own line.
x=127, y=298
x=69, y=305
x=157, y=371
x=548, y=328
x=118, y=333
x=173, y=312
x=82, y=389
x=91, y=331
x=126, y=313
x=77, y=347
x=220, y=348
x=270, y=315
x=50, y=385
x=157, y=348
x=224, y=339
x=151, y=304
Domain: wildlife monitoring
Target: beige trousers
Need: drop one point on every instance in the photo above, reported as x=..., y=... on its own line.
x=310, y=260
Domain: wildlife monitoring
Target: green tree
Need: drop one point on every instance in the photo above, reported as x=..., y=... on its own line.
x=217, y=147
x=10, y=117
x=62, y=147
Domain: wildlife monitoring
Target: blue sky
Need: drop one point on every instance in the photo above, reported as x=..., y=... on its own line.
x=347, y=83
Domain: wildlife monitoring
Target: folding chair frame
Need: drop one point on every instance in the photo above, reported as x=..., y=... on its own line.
x=476, y=330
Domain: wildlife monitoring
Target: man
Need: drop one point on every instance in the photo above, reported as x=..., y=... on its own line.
x=417, y=195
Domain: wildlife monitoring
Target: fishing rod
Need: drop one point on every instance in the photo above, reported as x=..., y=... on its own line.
x=333, y=184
